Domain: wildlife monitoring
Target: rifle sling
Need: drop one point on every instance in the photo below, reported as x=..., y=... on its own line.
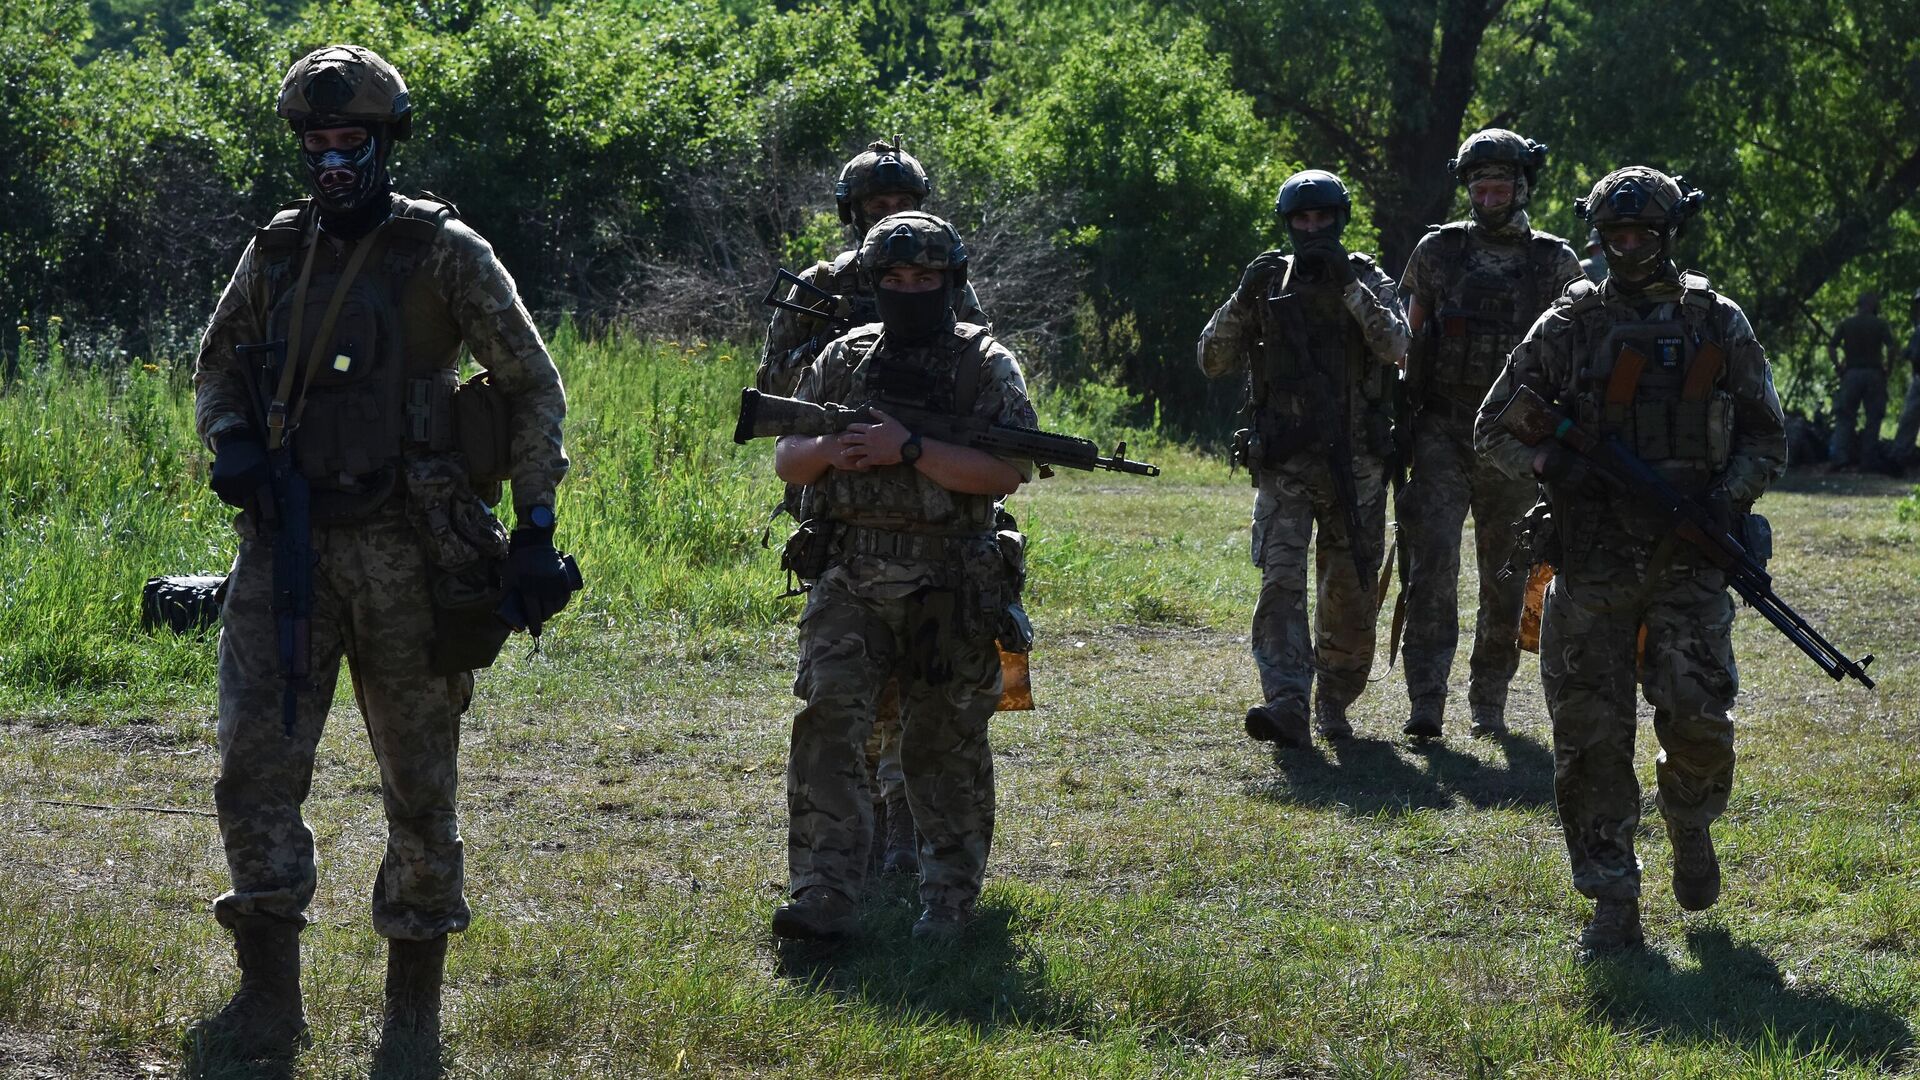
x=312, y=366
x=277, y=411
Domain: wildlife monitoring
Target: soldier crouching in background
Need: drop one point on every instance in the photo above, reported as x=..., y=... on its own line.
x=1320, y=331
x=908, y=582
x=326, y=389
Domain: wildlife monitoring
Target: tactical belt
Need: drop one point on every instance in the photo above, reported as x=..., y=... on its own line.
x=917, y=547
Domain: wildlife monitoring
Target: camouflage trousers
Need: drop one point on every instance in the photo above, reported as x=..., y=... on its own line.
x=370, y=606
x=850, y=646
x=1861, y=390
x=883, y=745
x=1294, y=501
x=1448, y=481
x=1588, y=635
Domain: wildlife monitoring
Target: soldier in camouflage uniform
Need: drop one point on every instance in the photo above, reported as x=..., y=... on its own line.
x=1657, y=359
x=1868, y=345
x=1472, y=289
x=1350, y=332
x=369, y=296
x=1903, y=451
x=911, y=584
x=1595, y=264
x=883, y=179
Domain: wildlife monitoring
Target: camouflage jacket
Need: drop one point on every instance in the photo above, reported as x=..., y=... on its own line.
x=459, y=294
x=1569, y=357
x=781, y=365
x=1233, y=336
x=1480, y=289
x=901, y=497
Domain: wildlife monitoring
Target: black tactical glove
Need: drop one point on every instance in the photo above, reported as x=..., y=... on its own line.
x=240, y=468
x=1329, y=256
x=1253, y=283
x=1567, y=471
x=540, y=578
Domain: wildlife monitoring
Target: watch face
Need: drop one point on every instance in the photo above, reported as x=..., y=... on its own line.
x=910, y=451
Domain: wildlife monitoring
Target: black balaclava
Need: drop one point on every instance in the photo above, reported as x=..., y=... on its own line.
x=351, y=187
x=914, y=317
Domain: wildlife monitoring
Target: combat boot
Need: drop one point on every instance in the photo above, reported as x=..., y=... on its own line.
x=410, y=1031
x=1696, y=869
x=1282, y=727
x=264, y=1019
x=1424, y=721
x=903, y=840
x=1489, y=722
x=942, y=924
x=816, y=913
x=1615, y=926
x=1330, y=720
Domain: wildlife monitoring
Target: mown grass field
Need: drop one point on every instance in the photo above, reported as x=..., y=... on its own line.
x=1164, y=897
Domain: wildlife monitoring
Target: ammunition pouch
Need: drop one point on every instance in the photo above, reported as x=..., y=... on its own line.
x=482, y=432
x=1011, y=628
x=809, y=550
x=466, y=549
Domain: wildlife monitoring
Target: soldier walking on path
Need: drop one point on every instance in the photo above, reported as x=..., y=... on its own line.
x=1319, y=331
x=1867, y=344
x=326, y=389
x=883, y=179
x=1472, y=288
x=910, y=583
x=1658, y=361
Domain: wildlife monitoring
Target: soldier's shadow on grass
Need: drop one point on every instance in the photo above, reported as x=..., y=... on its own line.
x=1371, y=776
x=1738, y=995
x=985, y=979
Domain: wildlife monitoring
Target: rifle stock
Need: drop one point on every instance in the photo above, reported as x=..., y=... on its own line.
x=1533, y=421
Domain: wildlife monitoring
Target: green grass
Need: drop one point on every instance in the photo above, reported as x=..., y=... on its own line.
x=1164, y=898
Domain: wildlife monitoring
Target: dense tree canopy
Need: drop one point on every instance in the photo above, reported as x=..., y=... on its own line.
x=1114, y=161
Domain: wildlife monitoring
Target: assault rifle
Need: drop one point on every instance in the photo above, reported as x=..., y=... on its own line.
x=1534, y=422
x=1330, y=422
x=839, y=313
x=764, y=416
x=285, y=506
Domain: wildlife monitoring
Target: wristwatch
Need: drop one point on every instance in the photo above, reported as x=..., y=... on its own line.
x=910, y=450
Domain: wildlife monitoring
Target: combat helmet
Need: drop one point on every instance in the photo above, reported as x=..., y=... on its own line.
x=1644, y=196
x=1313, y=189
x=1640, y=195
x=881, y=168
x=341, y=85
x=914, y=238
x=1498, y=146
